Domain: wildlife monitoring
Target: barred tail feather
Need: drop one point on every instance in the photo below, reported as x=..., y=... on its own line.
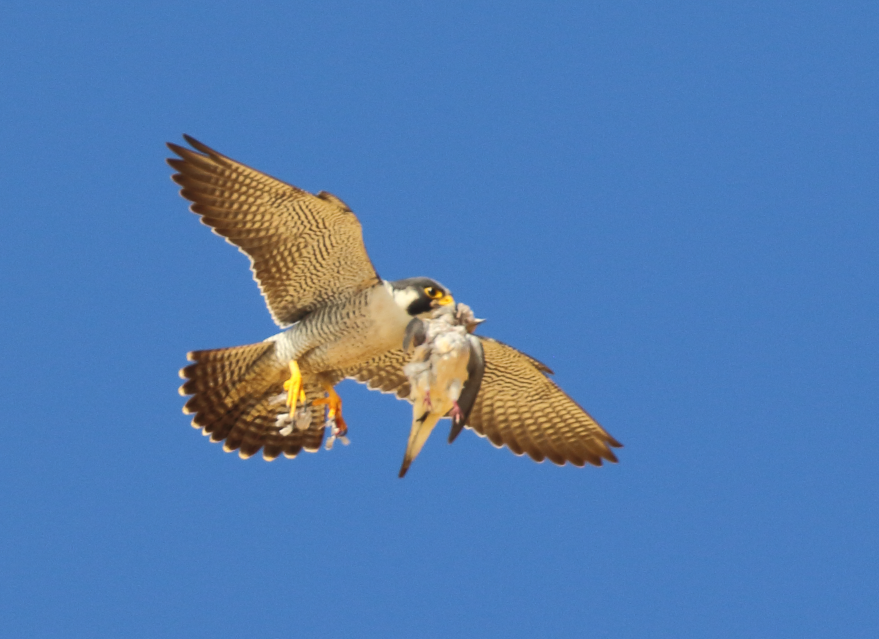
x=237, y=395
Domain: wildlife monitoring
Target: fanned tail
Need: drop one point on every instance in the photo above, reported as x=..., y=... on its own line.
x=237, y=396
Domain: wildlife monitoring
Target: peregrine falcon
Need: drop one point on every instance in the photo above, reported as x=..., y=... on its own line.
x=340, y=320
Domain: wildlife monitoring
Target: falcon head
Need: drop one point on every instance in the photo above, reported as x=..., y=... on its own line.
x=418, y=296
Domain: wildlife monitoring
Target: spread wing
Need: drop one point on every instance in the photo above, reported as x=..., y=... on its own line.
x=520, y=407
x=517, y=406
x=304, y=249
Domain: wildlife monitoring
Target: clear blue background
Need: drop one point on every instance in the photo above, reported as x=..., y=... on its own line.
x=674, y=206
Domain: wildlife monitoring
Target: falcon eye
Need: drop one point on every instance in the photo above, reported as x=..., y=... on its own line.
x=433, y=292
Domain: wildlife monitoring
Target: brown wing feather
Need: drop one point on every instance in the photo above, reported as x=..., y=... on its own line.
x=520, y=407
x=304, y=249
x=382, y=373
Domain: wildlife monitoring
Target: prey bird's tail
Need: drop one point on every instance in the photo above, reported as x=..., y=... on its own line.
x=238, y=397
x=421, y=429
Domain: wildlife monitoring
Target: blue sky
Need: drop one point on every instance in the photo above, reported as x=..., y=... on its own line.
x=674, y=206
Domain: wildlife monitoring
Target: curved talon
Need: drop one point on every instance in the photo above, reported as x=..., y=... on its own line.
x=293, y=386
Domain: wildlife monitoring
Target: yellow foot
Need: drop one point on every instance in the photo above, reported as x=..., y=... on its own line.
x=293, y=386
x=334, y=410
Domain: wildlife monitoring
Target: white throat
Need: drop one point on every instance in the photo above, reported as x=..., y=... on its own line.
x=402, y=297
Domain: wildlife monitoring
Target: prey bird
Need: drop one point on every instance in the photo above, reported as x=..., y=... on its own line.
x=340, y=320
x=446, y=368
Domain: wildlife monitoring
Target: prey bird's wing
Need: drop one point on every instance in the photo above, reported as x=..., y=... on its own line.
x=304, y=249
x=475, y=372
x=518, y=406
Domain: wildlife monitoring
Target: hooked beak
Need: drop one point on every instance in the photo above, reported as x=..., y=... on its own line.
x=445, y=300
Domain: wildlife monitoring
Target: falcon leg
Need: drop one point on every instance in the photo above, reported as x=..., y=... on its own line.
x=293, y=386
x=426, y=401
x=456, y=414
x=334, y=410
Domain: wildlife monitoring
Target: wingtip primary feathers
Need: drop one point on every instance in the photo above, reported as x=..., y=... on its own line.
x=280, y=227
